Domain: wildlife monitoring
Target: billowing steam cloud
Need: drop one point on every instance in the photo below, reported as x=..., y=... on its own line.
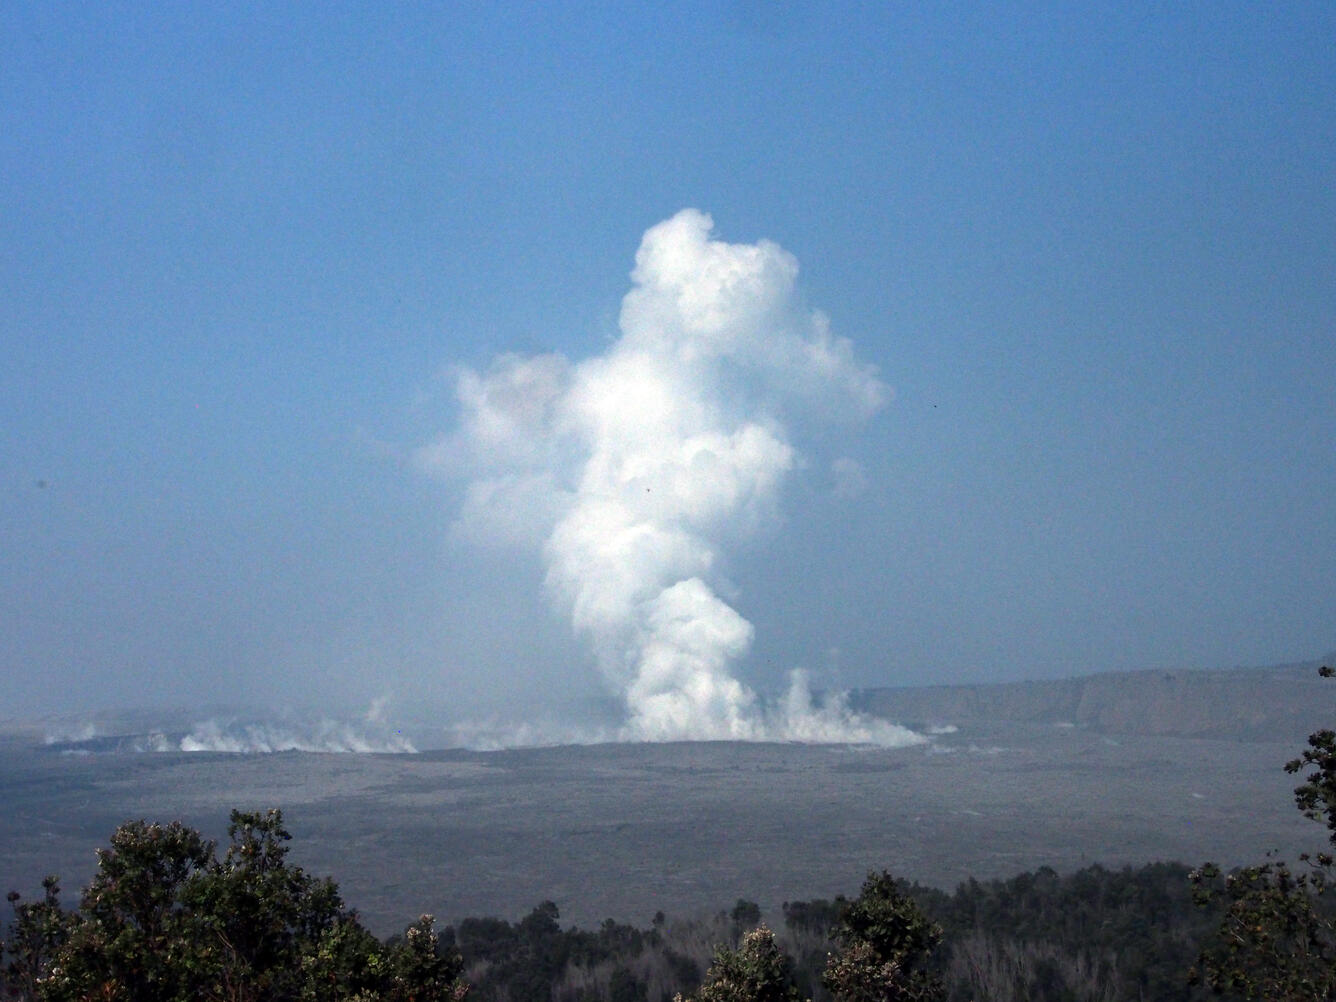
x=627, y=470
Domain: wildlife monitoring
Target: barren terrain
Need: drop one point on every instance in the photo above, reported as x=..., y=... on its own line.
x=624, y=830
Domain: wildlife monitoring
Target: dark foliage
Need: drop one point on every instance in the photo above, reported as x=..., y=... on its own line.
x=885, y=944
x=1094, y=934
x=39, y=929
x=533, y=959
x=252, y=926
x=1097, y=933
x=1277, y=939
x=165, y=920
x=746, y=914
x=757, y=971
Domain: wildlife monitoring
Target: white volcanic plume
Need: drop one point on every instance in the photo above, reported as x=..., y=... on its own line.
x=629, y=469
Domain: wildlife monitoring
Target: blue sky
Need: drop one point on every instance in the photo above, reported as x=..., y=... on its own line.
x=1091, y=250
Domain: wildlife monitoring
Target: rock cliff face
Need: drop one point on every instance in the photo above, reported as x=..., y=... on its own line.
x=1286, y=702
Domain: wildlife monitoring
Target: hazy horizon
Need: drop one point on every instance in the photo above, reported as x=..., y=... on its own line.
x=384, y=728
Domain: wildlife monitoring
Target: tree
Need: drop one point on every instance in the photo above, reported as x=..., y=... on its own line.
x=165, y=920
x=885, y=942
x=757, y=971
x=421, y=970
x=254, y=915
x=1277, y=939
x=38, y=930
x=131, y=939
x=746, y=914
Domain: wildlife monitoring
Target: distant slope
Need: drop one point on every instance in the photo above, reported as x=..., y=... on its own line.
x=1284, y=702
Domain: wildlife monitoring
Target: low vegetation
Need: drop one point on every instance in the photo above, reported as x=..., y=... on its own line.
x=1278, y=936
x=168, y=918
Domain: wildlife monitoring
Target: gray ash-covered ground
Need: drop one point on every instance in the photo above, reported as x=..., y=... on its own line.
x=624, y=830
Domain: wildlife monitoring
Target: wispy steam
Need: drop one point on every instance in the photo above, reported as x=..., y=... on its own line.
x=242, y=735
x=70, y=732
x=628, y=470
x=259, y=738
